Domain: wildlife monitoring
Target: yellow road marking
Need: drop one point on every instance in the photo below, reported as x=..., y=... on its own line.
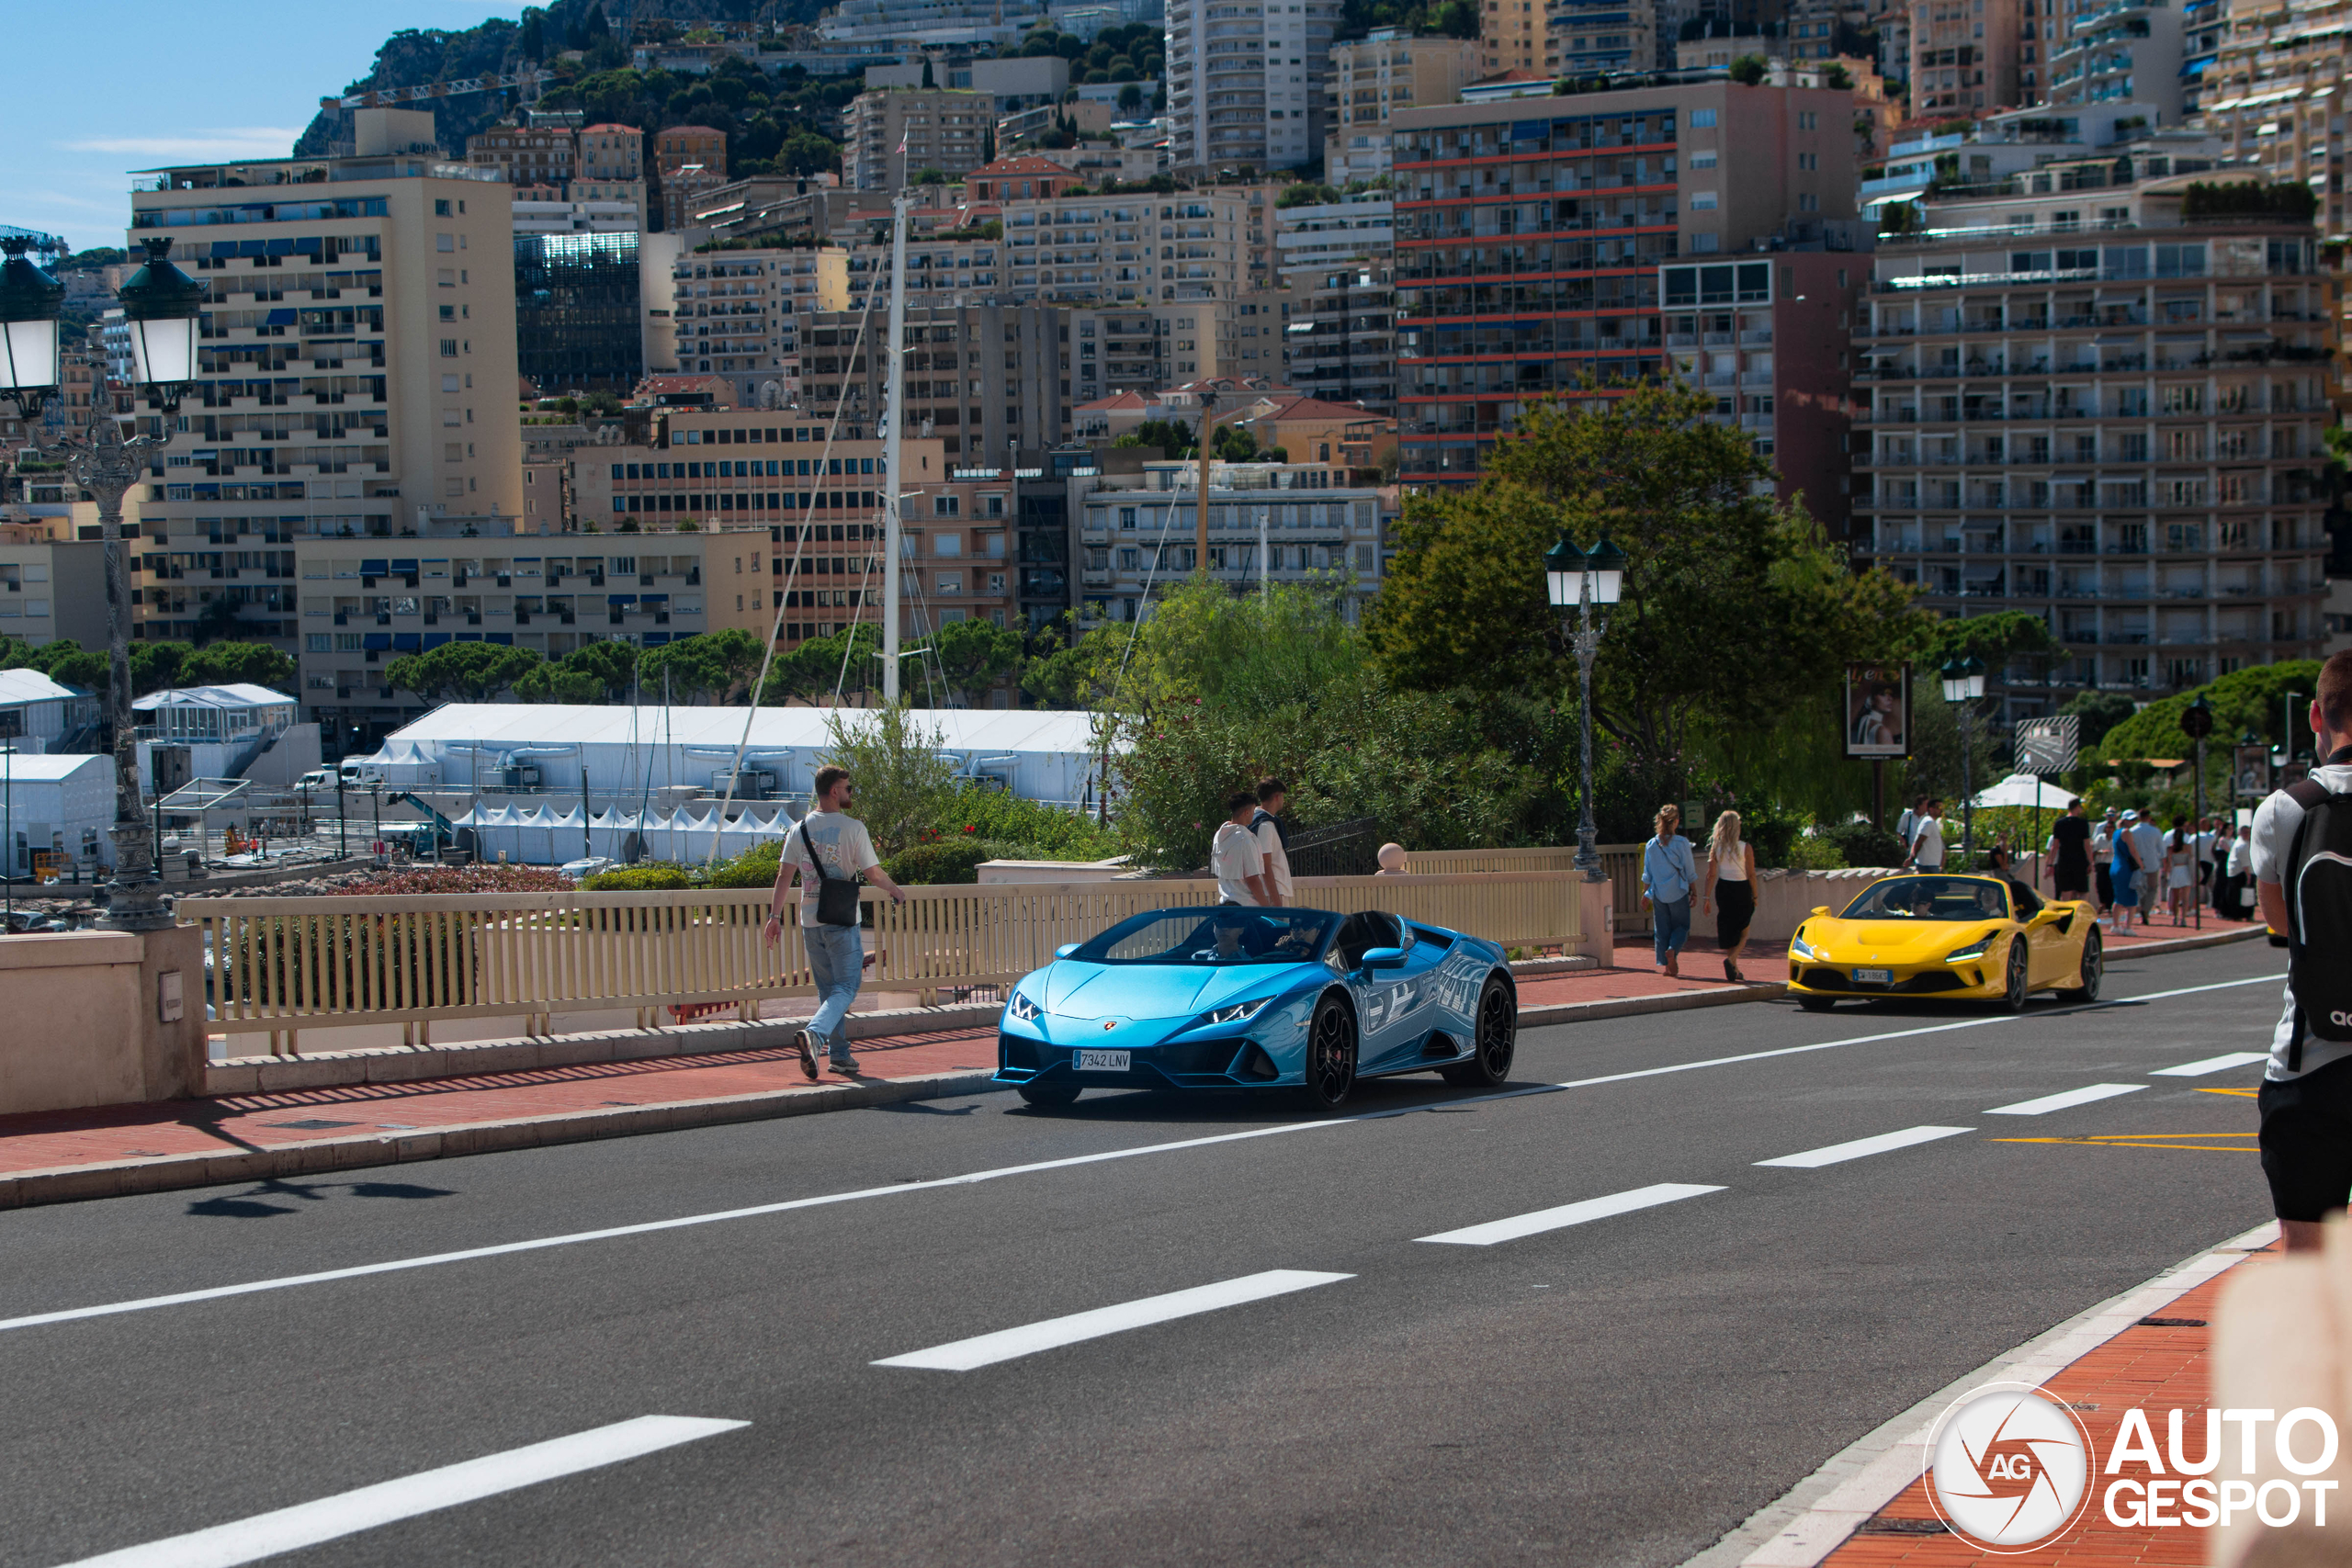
x=2144, y=1141
x=2245, y=1093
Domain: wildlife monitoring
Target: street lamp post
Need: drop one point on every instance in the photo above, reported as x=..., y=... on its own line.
x=1963, y=685
x=1579, y=579
x=160, y=308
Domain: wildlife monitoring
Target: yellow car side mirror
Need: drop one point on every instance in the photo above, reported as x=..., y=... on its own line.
x=1821, y=909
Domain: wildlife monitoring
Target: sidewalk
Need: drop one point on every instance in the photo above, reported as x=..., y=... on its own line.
x=2159, y=1362
x=683, y=1076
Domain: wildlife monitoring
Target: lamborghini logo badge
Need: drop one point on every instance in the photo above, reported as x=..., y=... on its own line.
x=1110, y=1023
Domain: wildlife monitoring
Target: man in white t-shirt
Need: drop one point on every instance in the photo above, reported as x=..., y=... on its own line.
x=1926, y=850
x=2306, y=1097
x=830, y=837
x=1234, y=857
x=1274, y=847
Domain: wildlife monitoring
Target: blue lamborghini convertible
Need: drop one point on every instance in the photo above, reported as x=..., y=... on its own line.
x=1233, y=997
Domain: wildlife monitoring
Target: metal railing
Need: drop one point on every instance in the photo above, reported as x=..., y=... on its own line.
x=277, y=965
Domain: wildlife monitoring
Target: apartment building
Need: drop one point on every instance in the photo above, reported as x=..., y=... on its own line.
x=610, y=153
x=1512, y=37
x=958, y=548
x=1372, y=78
x=894, y=133
x=533, y=157
x=982, y=380
x=359, y=367
x=1530, y=232
x=689, y=161
x=2078, y=405
x=2118, y=53
x=1966, y=56
x=1117, y=350
x=1337, y=263
x=578, y=299
x=52, y=587
x=1589, y=37
x=1237, y=338
x=1137, y=534
x=1246, y=82
x=2275, y=96
x=735, y=313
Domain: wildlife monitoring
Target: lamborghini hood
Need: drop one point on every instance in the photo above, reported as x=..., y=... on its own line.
x=1071, y=989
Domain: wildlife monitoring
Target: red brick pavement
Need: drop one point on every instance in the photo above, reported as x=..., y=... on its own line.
x=2156, y=1368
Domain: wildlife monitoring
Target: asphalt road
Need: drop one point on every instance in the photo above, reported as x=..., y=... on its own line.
x=1619, y=1391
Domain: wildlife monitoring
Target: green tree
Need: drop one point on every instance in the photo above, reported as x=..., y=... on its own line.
x=460, y=671
x=1993, y=641
x=545, y=682
x=233, y=663
x=1173, y=438
x=1735, y=608
x=905, y=781
x=613, y=665
x=973, y=655
x=2099, y=712
x=1748, y=70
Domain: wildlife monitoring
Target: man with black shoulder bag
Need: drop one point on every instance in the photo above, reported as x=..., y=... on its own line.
x=2302, y=869
x=827, y=851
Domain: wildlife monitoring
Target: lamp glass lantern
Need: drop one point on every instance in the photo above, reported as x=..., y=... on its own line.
x=1563, y=567
x=29, y=302
x=1606, y=565
x=1963, y=680
x=160, y=308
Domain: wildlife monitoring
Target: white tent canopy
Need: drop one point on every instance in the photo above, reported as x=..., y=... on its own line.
x=626, y=752
x=2025, y=789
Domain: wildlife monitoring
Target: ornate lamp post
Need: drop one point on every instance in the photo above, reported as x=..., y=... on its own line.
x=1963, y=685
x=160, y=304
x=1577, y=580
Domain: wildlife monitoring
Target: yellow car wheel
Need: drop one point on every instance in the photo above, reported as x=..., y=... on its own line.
x=2013, y=995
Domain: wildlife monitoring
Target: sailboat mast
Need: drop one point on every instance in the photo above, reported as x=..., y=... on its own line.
x=894, y=404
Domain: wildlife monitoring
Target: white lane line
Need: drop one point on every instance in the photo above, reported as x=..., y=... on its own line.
x=348, y=1513
x=1814, y=1159
x=1591, y=1208
x=2067, y=1100
x=610, y=1233
x=1005, y=1345
x=2211, y=1065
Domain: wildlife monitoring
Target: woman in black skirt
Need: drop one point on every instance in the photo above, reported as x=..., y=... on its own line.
x=1730, y=889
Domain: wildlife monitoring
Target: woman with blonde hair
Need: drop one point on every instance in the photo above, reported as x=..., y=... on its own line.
x=1731, y=883
x=1667, y=878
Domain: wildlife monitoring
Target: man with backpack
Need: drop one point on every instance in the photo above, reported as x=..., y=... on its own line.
x=1274, y=839
x=827, y=851
x=2303, y=871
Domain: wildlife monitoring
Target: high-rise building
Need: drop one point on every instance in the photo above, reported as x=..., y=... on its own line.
x=576, y=304
x=895, y=134
x=2080, y=405
x=2116, y=54
x=1589, y=37
x=1373, y=77
x=735, y=313
x=1246, y=84
x=358, y=372
x=1337, y=265
x=1965, y=61
x=1511, y=37
x=1531, y=232
x=2275, y=94
x=1138, y=532
x=521, y=156
x=982, y=378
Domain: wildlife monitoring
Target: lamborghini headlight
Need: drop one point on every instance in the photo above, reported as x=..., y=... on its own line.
x=1974, y=950
x=1238, y=1012
x=1022, y=1009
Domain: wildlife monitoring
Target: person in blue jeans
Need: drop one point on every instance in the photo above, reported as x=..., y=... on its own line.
x=1669, y=874
x=836, y=954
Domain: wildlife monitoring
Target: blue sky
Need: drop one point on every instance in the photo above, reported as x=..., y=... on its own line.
x=100, y=87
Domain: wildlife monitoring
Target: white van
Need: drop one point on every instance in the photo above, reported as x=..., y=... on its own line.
x=362, y=775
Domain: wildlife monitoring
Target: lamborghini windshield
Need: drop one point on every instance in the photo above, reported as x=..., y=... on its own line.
x=1226, y=935
x=1931, y=899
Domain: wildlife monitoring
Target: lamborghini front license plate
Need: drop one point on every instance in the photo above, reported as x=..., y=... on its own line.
x=1105, y=1061
x=1874, y=976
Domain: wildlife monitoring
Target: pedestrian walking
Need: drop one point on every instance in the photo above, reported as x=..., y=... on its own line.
x=2302, y=838
x=1235, y=860
x=1667, y=879
x=2234, y=886
x=2102, y=848
x=828, y=852
x=2207, y=854
x=1925, y=846
x=1730, y=889
x=1910, y=819
x=1274, y=839
x=2180, y=869
x=2069, y=852
x=2124, y=871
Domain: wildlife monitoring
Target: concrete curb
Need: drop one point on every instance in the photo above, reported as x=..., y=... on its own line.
x=1543, y=1015
x=166, y=1172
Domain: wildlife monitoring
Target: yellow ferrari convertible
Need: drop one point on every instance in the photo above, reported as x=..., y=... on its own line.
x=1958, y=938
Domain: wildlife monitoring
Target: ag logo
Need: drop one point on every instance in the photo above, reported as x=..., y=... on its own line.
x=2008, y=1467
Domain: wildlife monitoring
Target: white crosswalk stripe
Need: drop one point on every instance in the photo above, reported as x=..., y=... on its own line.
x=1836, y=1154
x=2198, y=1069
x=2067, y=1100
